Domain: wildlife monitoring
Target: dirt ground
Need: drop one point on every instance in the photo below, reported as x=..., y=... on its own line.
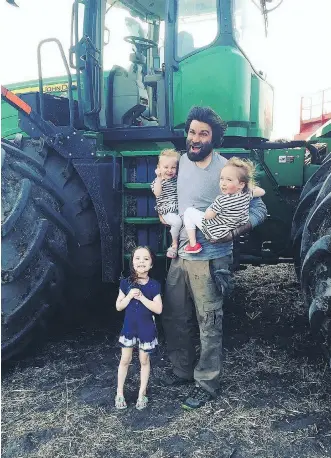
x=274, y=401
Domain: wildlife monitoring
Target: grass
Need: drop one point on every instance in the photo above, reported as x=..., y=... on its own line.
x=274, y=401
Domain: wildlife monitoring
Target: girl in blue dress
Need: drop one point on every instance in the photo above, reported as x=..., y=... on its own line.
x=140, y=297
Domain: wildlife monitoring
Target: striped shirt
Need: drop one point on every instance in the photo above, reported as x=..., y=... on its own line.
x=167, y=201
x=232, y=210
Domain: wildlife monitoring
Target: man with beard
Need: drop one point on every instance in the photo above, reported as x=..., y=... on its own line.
x=199, y=281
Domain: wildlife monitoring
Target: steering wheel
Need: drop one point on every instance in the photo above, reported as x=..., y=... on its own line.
x=142, y=43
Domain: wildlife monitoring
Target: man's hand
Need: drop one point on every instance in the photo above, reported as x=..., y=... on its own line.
x=235, y=233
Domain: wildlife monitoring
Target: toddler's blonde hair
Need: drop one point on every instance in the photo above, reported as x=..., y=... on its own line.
x=169, y=153
x=245, y=169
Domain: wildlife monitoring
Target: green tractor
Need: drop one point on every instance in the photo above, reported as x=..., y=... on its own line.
x=79, y=153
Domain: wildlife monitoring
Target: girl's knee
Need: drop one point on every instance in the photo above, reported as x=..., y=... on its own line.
x=126, y=358
x=143, y=358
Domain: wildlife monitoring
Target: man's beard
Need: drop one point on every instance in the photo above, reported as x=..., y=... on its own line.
x=205, y=150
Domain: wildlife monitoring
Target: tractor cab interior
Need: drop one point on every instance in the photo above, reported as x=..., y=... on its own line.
x=128, y=100
x=134, y=90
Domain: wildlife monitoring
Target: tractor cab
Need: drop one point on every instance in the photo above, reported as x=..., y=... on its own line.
x=141, y=65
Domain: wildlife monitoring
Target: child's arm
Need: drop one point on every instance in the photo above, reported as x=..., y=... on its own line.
x=214, y=209
x=157, y=184
x=154, y=306
x=210, y=214
x=258, y=192
x=123, y=300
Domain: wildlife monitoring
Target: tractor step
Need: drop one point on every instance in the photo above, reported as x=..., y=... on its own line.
x=140, y=221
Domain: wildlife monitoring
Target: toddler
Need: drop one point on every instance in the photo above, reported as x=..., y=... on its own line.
x=229, y=210
x=164, y=188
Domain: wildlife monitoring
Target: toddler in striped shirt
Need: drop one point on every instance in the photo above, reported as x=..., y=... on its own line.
x=229, y=210
x=164, y=188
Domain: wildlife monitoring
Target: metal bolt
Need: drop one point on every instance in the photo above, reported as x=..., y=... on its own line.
x=69, y=154
x=74, y=133
x=68, y=137
x=81, y=140
x=92, y=154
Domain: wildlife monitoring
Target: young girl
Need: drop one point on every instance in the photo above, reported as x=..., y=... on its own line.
x=140, y=296
x=164, y=188
x=229, y=210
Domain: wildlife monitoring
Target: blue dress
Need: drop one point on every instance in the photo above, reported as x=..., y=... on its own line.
x=139, y=325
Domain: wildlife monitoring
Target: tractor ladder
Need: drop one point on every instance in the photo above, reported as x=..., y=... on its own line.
x=140, y=222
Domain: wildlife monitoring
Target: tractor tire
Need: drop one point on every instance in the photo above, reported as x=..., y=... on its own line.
x=315, y=272
x=50, y=240
x=307, y=199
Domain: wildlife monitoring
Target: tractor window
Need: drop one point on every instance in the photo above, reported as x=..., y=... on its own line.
x=249, y=31
x=120, y=24
x=196, y=25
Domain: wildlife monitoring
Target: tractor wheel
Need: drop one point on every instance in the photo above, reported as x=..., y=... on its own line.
x=316, y=266
x=307, y=200
x=50, y=240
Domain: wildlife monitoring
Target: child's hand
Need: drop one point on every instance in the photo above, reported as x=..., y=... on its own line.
x=134, y=293
x=142, y=297
x=158, y=172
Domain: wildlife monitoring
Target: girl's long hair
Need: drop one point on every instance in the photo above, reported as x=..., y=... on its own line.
x=133, y=277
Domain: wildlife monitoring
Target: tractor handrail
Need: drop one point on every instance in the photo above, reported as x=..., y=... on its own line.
x=72, y=49
x=40, y=77
x=324, y=112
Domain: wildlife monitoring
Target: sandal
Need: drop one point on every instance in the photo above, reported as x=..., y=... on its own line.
x=142, y=403
x=172, y=252
x=120, y=402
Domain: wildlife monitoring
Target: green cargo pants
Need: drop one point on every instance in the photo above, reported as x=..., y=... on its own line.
x=190, y=286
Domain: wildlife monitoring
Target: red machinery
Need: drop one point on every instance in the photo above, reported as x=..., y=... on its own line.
x=315, y=110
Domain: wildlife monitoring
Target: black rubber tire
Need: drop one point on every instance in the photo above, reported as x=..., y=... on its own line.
x=316, y=266
x=50, y=240
x=307, y=200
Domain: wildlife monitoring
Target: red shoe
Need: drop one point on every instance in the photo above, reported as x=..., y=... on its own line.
x=193, y=249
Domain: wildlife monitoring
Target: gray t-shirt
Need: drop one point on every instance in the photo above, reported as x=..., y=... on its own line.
x=197, y=187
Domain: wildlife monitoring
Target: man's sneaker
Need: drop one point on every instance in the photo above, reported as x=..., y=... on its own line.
x=197, y=398
x=171, y=379
x=193, y=249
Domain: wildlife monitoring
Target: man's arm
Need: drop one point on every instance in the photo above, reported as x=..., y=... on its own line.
x=257, y=211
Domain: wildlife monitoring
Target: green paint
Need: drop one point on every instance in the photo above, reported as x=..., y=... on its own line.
x=286, y=165
x=222, y=78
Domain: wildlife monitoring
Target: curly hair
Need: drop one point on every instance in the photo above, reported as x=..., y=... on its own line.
x=210, y=117
x=245, y=169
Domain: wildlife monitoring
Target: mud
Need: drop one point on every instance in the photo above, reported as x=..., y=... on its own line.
x=57, y=400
